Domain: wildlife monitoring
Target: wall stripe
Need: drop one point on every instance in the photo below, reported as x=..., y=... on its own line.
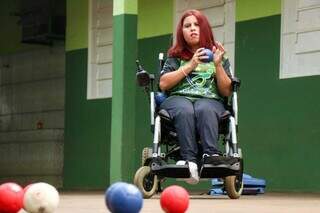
x=155, y=19
x=249, y=9
x=77, y=24
x=123, y=93
x=125, y=7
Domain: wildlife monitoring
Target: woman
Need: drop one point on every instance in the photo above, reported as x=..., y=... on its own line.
x=196, y=89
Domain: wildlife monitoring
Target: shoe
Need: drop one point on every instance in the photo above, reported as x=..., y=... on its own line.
x=207, y=155
x=217, y=159
x=194, y=176
x=181, y=163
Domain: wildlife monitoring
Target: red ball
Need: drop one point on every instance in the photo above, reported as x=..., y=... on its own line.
x=174, y=199
x=11, y=198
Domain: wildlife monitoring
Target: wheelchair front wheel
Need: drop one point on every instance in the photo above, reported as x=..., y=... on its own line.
x=233, y=186
x=145, y=181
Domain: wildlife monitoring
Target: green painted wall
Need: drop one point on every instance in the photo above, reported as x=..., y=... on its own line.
x=249, y=9
x=87, y=129
x=151, y=25
x=77, y=24
x=10, y=31
x=278, y=119
x=87, y=122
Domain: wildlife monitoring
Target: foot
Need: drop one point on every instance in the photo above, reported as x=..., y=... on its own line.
x=181, y=163
x=193, y=169
x=213, y=155
x=194, y=176
x=217, y=159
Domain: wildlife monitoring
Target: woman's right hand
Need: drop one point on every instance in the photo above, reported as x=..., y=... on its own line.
x=197, y=58
x=170, y=79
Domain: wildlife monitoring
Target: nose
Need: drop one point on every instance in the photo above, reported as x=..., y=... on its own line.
x=193, y=27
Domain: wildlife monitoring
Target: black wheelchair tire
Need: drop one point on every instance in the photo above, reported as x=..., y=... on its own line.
x=146, y=182
x=233, y=187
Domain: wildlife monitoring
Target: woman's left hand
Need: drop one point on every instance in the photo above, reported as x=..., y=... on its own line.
x=218, y=51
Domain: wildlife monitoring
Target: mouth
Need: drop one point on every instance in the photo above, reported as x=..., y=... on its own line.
x=193, y=34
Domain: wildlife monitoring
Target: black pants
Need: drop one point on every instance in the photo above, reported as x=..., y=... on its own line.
x=191, y=117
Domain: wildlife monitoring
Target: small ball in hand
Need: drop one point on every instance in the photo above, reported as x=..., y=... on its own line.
x=208, y=53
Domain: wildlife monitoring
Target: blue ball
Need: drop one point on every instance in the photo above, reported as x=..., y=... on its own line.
x=208, y=53
x=122, y=197
x=109, y=192
x=160, y=97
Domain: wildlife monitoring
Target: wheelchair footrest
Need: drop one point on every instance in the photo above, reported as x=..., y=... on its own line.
x=174, y=171
x=221, y=170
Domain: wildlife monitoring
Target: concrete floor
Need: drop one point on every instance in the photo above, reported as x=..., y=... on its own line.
x=93, y=202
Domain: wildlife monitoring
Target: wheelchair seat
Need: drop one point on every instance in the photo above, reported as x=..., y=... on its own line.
x=166, y=116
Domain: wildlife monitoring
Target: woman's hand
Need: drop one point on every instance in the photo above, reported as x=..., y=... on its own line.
x=197, y=58
x=218, y=51
x=223, y=80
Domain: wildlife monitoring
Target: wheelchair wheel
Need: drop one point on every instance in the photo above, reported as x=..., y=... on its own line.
x=146, y=182
x=233, y=186
x=146, y=153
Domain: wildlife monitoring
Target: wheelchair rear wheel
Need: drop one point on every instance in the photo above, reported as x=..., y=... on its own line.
x=234, y=186
x=146, y=182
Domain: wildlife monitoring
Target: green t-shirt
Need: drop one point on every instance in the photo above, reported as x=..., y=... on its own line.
x=200, y=83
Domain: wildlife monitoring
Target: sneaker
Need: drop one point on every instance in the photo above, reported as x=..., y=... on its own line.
x=217, y=159
x=181, y=163
x=194, y=176
x=207, y=155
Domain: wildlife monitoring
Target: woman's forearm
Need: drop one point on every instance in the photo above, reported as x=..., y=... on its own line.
x=223, y=81
x=170, y=79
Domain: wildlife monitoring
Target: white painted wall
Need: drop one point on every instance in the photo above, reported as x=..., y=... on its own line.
x=100, y=49
x=32, y=89
x=221, y=15
x=300, y=38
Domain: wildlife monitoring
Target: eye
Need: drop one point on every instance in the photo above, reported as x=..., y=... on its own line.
x=186, y=25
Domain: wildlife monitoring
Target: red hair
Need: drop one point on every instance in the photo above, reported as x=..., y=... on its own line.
x=181, y=49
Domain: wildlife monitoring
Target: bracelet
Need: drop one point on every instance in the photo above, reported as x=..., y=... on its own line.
x=184, y=73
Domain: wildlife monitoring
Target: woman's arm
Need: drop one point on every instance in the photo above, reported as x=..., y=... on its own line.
x=223, y=80
x=170, y=79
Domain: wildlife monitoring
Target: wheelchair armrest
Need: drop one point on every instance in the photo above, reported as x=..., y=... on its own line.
x=235, y=84
x=143, y=77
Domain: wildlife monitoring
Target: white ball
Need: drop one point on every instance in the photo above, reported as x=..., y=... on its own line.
x=22, y=211
x=41, y=198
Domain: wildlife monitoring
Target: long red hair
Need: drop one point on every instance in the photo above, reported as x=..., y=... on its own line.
x=181, y=49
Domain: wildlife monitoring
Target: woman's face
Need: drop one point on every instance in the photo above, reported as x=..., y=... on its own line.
x=191, y=31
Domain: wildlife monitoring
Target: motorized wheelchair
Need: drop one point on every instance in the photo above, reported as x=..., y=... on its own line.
x=158, y=165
